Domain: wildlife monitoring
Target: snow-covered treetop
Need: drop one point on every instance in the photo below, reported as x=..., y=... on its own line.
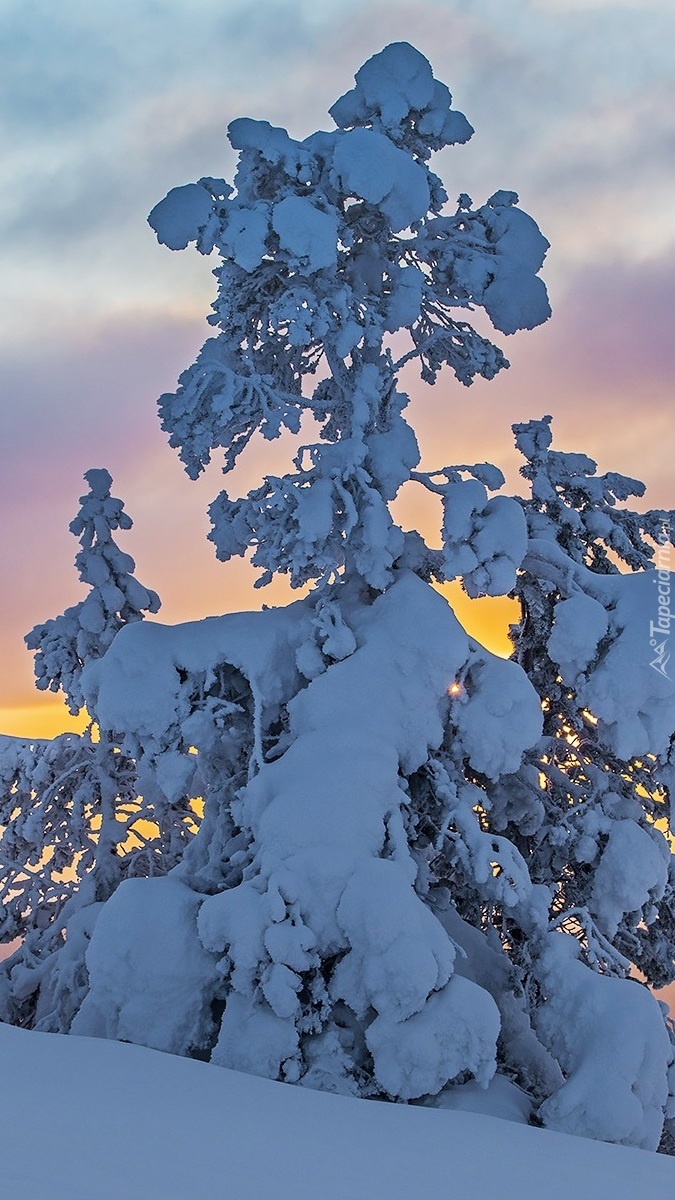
x=577, y=508
x=83, y=632
x=331, y=246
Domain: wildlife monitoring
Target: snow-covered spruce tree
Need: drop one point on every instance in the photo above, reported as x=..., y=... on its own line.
x=73, y=822
x=586, y=641
x=349, y=915
x=608, y=715
x=64, y=644
x=583, y=819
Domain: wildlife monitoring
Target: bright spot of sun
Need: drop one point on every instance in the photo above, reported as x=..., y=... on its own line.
x=454, y=689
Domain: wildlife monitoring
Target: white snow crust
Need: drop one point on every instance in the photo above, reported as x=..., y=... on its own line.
x=119, y=1121
x=609, y=1036
x=485, y=540
x=146, y=958
x=633, y=870
x=138, y=688
x=309, y=233
x=497, y=719
x=367, y=165
x=178, y=218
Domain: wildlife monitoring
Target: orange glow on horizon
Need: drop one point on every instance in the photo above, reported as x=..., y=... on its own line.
x=45, y=718
x=487, y=619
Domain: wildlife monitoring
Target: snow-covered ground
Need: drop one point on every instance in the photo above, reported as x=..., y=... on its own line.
x=96, y=1120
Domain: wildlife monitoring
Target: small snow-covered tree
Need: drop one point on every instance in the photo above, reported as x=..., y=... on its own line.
x=73, y=821
x=407, y=875
x=68, y=806
x=65, y=644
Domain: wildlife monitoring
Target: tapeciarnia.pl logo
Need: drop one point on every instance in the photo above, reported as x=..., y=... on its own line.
x=659, y=630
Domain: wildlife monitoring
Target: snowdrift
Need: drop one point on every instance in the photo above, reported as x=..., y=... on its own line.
x=94, y=1120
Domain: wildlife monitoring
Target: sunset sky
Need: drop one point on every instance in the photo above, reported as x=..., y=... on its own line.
x=106, y=107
